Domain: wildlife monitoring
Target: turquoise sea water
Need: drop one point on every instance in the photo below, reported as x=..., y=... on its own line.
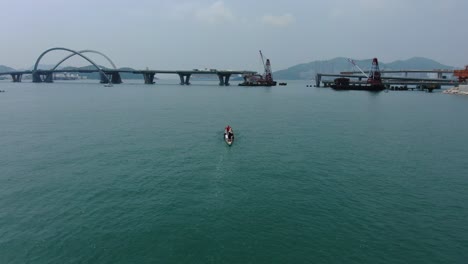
x=140, y=174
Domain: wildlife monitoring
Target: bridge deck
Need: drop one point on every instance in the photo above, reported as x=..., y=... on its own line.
x=223, y=72
x=404, y=71
x=399, y=82
x=383, y=77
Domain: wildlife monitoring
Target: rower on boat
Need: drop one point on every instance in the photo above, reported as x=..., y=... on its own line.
x=228, y=132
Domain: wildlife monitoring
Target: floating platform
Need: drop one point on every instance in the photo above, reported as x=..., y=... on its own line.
x=267, y=84
x=345, y=84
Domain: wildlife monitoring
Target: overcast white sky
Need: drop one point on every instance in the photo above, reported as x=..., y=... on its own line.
x=183, y=34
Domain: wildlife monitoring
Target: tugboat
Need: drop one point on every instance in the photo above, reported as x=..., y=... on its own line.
x=374, y=80
x=260, y=80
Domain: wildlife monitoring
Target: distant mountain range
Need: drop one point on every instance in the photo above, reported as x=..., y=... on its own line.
x=305, y=71
x=4, y=68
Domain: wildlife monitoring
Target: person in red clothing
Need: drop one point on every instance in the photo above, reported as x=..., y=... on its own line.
x=228, y=132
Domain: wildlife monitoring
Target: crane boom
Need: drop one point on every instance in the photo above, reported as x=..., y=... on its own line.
x=263, y=61
x=354, y=64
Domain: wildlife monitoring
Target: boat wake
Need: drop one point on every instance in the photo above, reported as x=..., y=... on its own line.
x=220, y=163
x=219, y=175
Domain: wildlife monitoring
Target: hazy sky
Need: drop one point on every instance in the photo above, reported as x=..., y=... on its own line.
x=182, y=34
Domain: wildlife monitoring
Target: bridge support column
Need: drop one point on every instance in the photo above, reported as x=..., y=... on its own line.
x=224, y=79
x=115, y=78
x=105, y=77
x=149, y=77
x=318, y=79
x=49, y=77
x=439, y=75
x=36, y=77
x=184, y=79
x=181, y=79
x=16, y=77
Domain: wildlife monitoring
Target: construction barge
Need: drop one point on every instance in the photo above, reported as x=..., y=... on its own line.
x=373, y=83
x=260, y=80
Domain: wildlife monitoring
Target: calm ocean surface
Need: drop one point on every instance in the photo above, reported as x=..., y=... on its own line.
x=140, y=174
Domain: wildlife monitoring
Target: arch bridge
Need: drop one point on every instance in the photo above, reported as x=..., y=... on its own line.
x=112, y=75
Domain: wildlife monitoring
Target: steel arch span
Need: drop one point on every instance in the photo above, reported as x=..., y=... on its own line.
x=75, y=53
x=86, y=51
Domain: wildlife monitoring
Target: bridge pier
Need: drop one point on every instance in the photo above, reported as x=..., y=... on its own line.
x=318, y=79
x=114, y=77
x=16, y=77
x=105, y=78
x=49, y=77
x=184, y=79
x=149, y=77
x=224, y=79
x=431, y=87
x=38, y=77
